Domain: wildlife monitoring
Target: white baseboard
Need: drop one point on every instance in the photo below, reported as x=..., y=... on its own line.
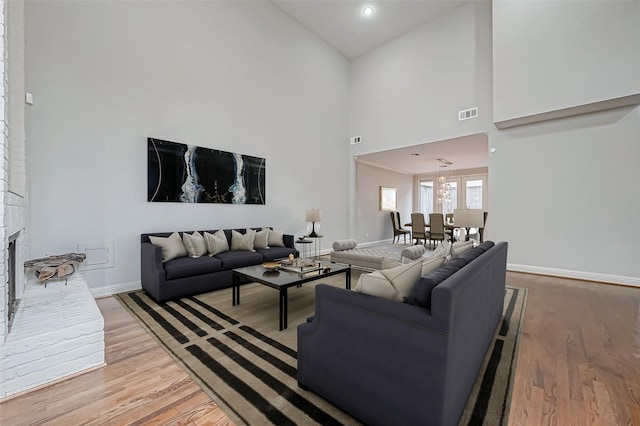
x=579, y=275
x=115, y=288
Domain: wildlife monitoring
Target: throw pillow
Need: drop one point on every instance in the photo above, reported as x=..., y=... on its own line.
x=388, y=263
x=413, y=252
x=261, y=240
x=443, y=249
x=344, y=244
x=460, y=247
x=431, y=264
x=242, y=242
x=393, y=284
x=195, y=244
x=217, y=242
x=172, y=246
x=276, y=239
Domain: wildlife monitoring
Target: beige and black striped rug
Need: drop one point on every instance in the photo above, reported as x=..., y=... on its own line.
x=248, y=367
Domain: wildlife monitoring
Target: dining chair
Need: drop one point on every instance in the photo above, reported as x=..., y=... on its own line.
x=397, y=228
x=436, y=227
x=419, y=228
x=448, y=217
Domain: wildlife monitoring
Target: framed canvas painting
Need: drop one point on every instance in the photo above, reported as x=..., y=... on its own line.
x=388, y=199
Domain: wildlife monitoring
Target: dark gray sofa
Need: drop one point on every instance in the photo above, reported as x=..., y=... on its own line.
x=386, y=362
x=186, y=276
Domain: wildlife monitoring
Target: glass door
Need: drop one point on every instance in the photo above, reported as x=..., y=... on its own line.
x=426, y=197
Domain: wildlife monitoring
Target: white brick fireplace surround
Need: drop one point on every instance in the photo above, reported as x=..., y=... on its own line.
x=58, y=331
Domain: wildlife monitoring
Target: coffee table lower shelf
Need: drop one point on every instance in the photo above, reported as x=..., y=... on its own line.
x=282, y=279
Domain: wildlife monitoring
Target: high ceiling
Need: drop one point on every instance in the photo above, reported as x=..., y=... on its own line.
x=342, y=25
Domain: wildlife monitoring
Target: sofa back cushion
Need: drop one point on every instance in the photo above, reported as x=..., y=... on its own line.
x=421, y=293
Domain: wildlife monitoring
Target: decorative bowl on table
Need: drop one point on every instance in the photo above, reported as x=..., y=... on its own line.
x=271, y=266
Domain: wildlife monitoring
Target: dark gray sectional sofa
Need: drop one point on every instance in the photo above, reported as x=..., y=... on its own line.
x=392, y=363
x=186, y=276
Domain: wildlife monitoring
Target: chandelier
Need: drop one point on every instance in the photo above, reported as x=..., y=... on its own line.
x=444, y=197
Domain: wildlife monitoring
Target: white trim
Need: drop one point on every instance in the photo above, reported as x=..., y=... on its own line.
x=579, y=275
x=115, y=288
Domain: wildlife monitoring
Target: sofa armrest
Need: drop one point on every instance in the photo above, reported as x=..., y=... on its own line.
x=363, y=353
x=152, y=273
x=288, y=241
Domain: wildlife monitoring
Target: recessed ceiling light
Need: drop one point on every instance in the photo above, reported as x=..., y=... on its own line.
x=367, y=11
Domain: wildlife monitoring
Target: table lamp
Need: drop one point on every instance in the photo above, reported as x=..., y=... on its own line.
x=314, y=216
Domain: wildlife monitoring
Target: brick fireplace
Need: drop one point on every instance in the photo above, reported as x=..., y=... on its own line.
x=57, y=330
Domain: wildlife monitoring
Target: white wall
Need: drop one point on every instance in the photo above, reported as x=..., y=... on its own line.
x=409, y=91
x=551, y=55
x=565, y=193
x=371, y=223
x=235, y=76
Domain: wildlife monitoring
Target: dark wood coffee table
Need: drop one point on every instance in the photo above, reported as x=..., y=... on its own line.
x=282, y=279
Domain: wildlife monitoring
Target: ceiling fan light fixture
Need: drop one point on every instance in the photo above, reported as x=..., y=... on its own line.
x=367, y=11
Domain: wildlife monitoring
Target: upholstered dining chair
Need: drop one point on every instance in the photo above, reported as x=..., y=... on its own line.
x=436, y=227
x=419, y=228
x=397, y=228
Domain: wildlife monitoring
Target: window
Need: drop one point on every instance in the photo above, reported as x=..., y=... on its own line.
x=426, y=197
x=473, y=196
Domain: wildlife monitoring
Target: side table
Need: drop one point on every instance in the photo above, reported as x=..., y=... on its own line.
x=317, y=246
x=304, y=243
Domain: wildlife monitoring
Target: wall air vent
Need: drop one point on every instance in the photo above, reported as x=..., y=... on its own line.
x=467, y=114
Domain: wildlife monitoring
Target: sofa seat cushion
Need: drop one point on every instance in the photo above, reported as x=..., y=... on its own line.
x=188, y=266
x=238, y=259
x=421, y=293
x=273, y=253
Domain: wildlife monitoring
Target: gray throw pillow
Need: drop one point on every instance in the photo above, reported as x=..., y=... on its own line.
x=195, y=244
x=276, y=238
x=261, y=240
x=242, y=242
x=172, y=246
x=216, y=243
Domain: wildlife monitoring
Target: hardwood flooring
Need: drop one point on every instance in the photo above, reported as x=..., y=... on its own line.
x=578, y=364
x=579, y=357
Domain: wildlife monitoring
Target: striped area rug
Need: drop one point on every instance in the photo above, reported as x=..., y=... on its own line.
x=248, y=367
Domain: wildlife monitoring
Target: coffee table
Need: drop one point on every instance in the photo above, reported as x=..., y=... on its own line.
x=282, y=279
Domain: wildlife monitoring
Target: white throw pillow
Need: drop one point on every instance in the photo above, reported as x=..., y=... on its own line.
x=216, y=243
x=460, y=247
x=276, y=239
x=195, y=244
x=393, y=284
x=443, y=249
x=261, y=240
x=242, y=242
x=430, y=264
x=172, y=246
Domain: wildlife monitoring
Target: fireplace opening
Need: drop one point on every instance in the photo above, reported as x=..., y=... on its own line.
x=12, y=301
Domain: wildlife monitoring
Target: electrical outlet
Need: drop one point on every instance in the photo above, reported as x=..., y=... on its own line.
x=356, y=140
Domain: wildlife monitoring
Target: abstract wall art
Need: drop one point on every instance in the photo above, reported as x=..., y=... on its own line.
x=191, y=174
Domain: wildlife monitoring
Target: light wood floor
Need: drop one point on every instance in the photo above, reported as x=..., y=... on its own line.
x=578, y=364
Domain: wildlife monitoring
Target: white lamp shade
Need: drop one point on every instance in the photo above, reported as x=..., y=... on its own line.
x=314, y=215
x=468, y=218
